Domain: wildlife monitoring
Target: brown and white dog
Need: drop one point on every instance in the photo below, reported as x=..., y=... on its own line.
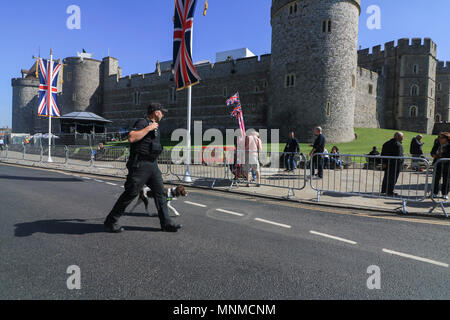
x=172, y=194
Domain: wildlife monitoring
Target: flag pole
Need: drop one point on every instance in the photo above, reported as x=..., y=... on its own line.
x=49, y=109
x=187, y=175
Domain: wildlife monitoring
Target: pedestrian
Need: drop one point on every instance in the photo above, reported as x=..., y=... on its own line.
x=392, y=167
x=434, y=150
x=416, y=151
x=292, y=147
x=143, y=170
x=253, y=146
x=442, y=168
x=371, y=162
x=318, y=148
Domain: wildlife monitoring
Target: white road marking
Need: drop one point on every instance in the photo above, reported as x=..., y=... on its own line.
x=87, y=178
x=404, y=255
x=122, y=187
x=230, y=212
x=332, y=237
x=274, y=223
x=98, y=180
x=195, y=204
x=111, y=184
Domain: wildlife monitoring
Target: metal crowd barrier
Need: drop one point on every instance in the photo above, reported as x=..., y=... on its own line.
x=363, y=175
x=110, y=158
x=440, y=185
x=80, y=156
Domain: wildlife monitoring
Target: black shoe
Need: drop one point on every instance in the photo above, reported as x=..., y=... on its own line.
x=171, y=227
x=113, y=227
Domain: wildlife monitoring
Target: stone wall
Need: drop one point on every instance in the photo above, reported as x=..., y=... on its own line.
x=369, y=108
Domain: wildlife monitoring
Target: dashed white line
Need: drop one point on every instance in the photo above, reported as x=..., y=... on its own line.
x=98, y=180
x=195, y=204
x=230, y=212
x=87, y=178
x=111, y=184
x=405, y=255
x=274, y=223
x=332, y=237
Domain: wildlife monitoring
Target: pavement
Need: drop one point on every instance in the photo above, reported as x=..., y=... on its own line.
x=232, y=246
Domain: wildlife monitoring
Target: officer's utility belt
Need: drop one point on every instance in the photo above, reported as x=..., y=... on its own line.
x=141, y=157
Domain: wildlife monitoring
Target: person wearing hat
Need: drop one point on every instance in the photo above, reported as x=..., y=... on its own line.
x=143, y=170
x=442, y=169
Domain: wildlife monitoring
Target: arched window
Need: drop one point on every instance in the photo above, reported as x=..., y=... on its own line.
x=439, y=86
x=326, y=26
x=438, y=118
x=328, y=109
x=414, y=90
x=416, y=69
x=353, y=81
x=413, y=111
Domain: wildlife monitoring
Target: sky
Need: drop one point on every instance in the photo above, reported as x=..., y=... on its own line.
x=139, y=32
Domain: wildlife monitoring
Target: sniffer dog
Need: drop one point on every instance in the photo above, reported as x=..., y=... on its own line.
x=172, y=194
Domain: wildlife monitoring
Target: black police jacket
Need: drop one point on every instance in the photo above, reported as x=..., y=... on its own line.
x=148, y=148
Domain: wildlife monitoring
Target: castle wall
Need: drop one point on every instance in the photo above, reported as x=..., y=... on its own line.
x=443, y=93
x=323, y=64
x=369, y=108
x=24, y=101
x=396, y=64
x=81, y=89
x=249, y=76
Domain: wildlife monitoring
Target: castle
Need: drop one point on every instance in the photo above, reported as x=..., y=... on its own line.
x=315, y=76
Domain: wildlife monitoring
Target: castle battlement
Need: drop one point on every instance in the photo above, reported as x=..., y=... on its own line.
x=367, y=74
x=443, y=67
x=206, y=70
x=404, y=46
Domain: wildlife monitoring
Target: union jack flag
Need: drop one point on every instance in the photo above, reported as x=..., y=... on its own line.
x=48, y=88
x=233, y=99
x=184, y=70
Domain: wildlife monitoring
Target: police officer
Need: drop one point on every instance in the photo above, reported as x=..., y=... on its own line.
x=392, y=167
x=143, y=170
x=318, y=147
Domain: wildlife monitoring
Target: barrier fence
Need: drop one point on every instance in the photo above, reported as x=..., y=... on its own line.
x=398, y=178
x=404, y=179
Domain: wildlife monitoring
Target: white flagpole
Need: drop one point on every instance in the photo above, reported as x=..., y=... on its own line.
x=49, y=73
x=187, y=175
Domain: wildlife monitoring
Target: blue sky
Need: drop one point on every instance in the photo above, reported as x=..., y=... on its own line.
x=139, y=32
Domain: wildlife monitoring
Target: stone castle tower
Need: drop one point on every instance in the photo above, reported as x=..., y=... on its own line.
x=314, y=64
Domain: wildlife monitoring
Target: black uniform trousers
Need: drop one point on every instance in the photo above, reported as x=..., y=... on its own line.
x=318, y=163
x=391, y=174
x=145, y=172
x=442, y=170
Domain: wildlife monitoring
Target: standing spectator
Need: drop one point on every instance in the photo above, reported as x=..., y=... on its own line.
x=253, y=146
x=435, y=148
x=442, y=169
x=416, y=151
x=290, y=149
x=326, y=159
x=318, y=147
x=1, y=143
x=392, y=167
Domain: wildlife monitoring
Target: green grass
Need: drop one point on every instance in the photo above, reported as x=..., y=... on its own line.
x=367, y=138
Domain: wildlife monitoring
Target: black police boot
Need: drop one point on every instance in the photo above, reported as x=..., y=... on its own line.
x=171, y=227
x=113, y=227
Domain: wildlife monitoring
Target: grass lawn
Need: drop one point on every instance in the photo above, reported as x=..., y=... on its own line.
x=367, y=138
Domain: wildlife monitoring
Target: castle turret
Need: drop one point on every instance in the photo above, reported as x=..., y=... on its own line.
x=24, y=103
x=82, y=85
x=314, y=64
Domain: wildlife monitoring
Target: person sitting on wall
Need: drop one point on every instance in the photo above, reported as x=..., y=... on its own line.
x=335, y=160
x=371, y=162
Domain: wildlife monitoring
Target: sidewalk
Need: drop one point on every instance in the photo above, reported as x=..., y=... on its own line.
x=278, y=184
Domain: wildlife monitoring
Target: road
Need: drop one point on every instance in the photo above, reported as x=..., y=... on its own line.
x=231, y=247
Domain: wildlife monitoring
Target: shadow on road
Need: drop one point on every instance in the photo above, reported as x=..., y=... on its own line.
x=68, y=227
x=42, y=179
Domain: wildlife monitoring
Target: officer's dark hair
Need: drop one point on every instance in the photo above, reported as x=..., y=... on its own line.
x=152, y=106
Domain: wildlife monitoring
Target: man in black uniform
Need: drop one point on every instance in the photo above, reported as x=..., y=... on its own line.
x=318, y=147
x=392, y=167
x=143, y=169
